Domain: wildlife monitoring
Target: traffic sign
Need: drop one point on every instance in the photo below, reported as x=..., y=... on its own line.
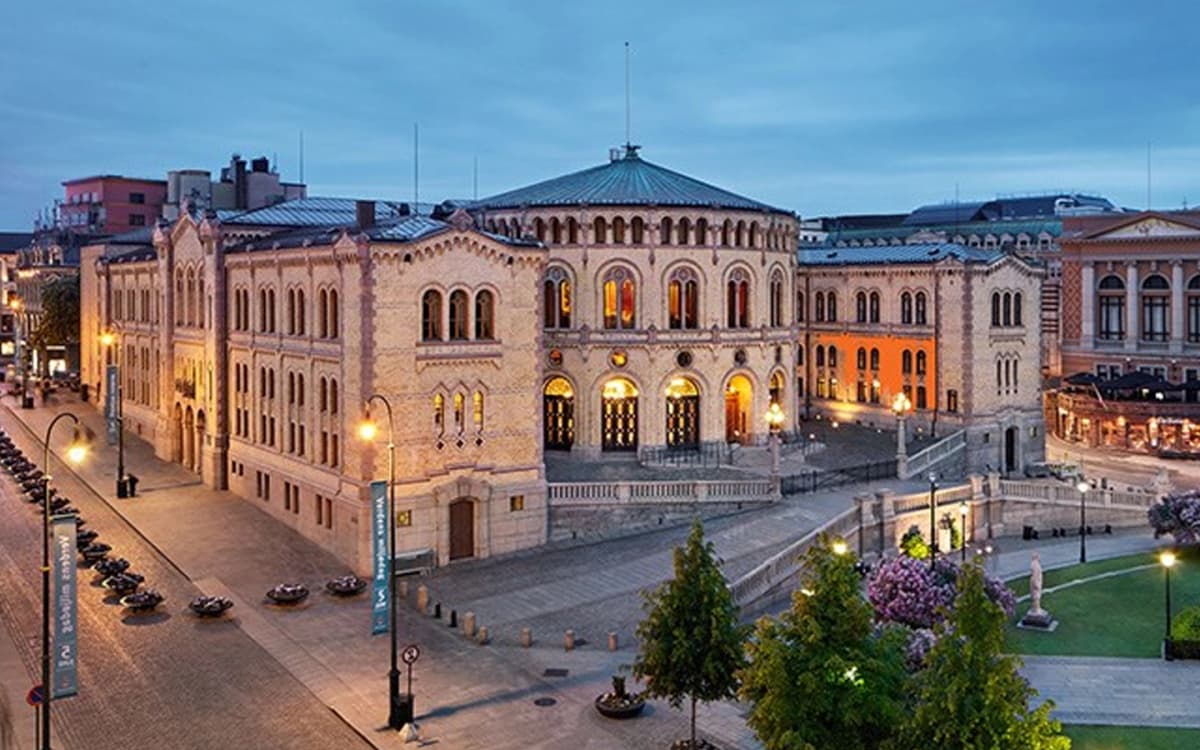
x=35, y=696
x=410, y=654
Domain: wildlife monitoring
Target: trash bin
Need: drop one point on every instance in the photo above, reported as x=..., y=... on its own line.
x=26, y=401
x=83, y=392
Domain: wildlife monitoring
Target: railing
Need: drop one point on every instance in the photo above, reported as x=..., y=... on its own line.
x=1061, y=493
x=703, y=456
x=639, y=493
x=785, y=564
x=811, y=481
x=920, y=500
x=930, y=457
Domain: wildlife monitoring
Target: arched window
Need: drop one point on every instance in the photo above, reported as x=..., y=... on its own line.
x=556, y=293
x=190, y=318
x=683, y=300
x=637, y=232
x=875, y=359
x=921, y=363
x=572, y=231
x=291, y=312
x=1156, y=308
x=753, y=234
x=860, y=307
x=1006, y=309
x=1112, y=308
x=618, y=231
x=995, y=309
x=484, y=316
x=335, y=311
x=301, y=313
x=831, y=307
x=333, y=394
x=1017, y=309
x=861, y=359
x=701, y=236
x=620, y=299
x=323, y=314
x=431, y=315
x=459, y=412
x=819, y=356
x=477, y=410
x=262, y=310
x=906, y=362
x=906, y=308
x=539, y=229
x=832, y=355
x=873, y=307
x=921, y=318
x=1193, y=310
x=179, y=298
x=737, y=290
x=439, y=414
x=819, y=312
x=685, y=231
x=726, y=232
x=740, y=234
x=201, y=308
x=800, y=307
x=458, y=315
x=599, y=231
x=776, y=298
x=666, y=230
x=555, y=231
x=271, y=310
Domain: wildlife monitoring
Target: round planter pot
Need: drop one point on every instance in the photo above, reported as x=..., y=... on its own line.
x=621, y=712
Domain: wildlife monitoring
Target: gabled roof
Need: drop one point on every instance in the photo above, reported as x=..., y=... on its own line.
x=1156, y=223
x=923, y=253
x=314, y=212
x=625, y=181
x=402, y=229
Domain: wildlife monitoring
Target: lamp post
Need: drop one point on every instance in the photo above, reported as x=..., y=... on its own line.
x=963, y=510
x=901, y=405
x=75, y=454
x=933, y=534
x=400, y=708
x=110, y=340
x=1167, y=558
x=1082, y=486
x=775, y=418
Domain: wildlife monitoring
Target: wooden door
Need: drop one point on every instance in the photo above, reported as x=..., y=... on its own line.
x=462, y=529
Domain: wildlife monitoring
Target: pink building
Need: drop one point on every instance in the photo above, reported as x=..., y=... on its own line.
x=110, y=204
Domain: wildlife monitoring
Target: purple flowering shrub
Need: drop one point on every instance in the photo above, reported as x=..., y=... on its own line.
x=906, y=591
x=1177, y=515
x=920, y=642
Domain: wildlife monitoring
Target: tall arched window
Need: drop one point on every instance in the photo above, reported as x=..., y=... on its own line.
x=819, y=305
x=555, y=231
x=831, y=307
x=819, y=356
x=618, y=231
x=685, y=231
x=556, y=293
x=271, y=310
x=832, y=355
x=906, y=309
x=477, y=410
x=739, y=236
x=572, y=231
x=539, y=229
x=301, y=313
x=190, y=318
x=860, y=307
x=1112, y=308
x=861, y=359
x=683, y=300
x=1006, y=309
x=599, y=231
x=726, y=233
x=1017, y=309
x=995, y=309
x=1156, y=308
x=666, y=230
x=875, y=359
x=484, y=316
x=737, y=292
x=776, y=298
x=431, y=315
x=921, y=317
x=921, y=363
x=291, y=312
x=620, y=299
x=1193, y=310
x=637, y=232
x=701, y=234
x=458, y=315
x=335, y=313
x=323, y=314
x=906, y=362
x=873, y=307
x=800, y=307
x=262, y=310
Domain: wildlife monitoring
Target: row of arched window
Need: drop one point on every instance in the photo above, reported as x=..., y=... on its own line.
x=914, y=308
x=1006, y=374
x=126, y=307
x=619, y=231
x=328, y=312
x=189, y=298
x=455, y=322
x=1007, y=310
x=1155, y=308
x=458, y=413
x=1019, y=241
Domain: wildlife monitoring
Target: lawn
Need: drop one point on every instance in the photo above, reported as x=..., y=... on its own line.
x=1130, y=738
x=1117, y=616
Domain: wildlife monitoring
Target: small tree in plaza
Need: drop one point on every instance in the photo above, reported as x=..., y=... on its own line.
x=970, y=694
x=59, y=322
x=1177, y=515
x=691, y=640
x=820, y=675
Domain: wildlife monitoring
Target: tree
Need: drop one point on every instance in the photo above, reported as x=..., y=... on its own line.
x=820, y=675
x=59, y=321
x=691, y=640
x=906, y=591
x=970, y=694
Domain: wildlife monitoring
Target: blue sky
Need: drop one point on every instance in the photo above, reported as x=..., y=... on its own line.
x=824, y=108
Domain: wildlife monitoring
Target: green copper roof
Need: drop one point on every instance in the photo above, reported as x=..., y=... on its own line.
x=625, y=181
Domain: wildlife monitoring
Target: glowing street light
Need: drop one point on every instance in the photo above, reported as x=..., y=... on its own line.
x=901, y=406
x=1168, y=559
x=963, y=510
x=1083, y=488
x=839, y=548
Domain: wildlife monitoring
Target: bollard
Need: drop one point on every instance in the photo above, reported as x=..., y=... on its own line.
x=482, y=637
x=453, y=619
x=612, y=640
x=403, y=589
x=469, y=624
x=569, y=640
x=437, y=611
x=422, y=598
x=526, y=637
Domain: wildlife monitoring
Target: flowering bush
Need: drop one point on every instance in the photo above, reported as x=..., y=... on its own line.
x=913, y=544
x=906, y=591
x=1177, y=515
x=920, y=641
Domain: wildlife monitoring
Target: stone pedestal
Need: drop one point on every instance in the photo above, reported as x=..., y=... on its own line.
x=1038, y=619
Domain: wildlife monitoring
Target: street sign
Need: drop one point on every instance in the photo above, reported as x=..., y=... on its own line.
x=410, y=654
x=34, y=697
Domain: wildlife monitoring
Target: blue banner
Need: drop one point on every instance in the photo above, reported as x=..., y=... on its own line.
x=66, y=616
x=380, y=613
x=112, y=402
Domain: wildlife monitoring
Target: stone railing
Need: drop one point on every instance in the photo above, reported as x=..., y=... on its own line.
x=635, y=493
x=1065, y=493
x=924, y=460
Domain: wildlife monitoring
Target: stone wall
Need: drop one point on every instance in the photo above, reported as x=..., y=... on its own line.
x=601, y=521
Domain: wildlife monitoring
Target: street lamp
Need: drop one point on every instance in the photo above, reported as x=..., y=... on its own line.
x=839, y=547
x=1167, y=558
x=963, y=510
x=400, y=707
x=775, y=418
x=110, y=341
x=76, y=452
x=901, y=405
x=933, y=535
x=1083, y=487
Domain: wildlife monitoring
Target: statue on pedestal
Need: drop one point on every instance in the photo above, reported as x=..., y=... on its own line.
x=1036, y=617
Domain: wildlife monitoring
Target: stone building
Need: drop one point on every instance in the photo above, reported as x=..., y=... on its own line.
x=665, y=307
x=952, y=328
x=1131, y=333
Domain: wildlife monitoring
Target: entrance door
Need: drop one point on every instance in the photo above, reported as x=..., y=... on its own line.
x=558, y=415
x=738, y=395
x=683, y=414
x=1010, y=450
x=462, y=529
x=619, y=416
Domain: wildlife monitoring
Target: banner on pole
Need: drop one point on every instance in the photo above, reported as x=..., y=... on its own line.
x=66, y=616
x=380, y=613
x=111, y=402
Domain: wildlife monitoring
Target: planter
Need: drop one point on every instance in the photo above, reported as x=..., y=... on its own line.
x=619, y=708
x=345, y=585
x=210, y=606
x=288, y=593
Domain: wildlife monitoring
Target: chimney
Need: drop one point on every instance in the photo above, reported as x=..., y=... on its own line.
x=364, y=214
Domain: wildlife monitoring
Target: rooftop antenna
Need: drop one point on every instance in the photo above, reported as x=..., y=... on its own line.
x=628, y=140
x=416, y=171
x=301, y=157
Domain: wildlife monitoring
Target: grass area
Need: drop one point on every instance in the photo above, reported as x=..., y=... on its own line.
x=1117, y=616
x=1130, y=738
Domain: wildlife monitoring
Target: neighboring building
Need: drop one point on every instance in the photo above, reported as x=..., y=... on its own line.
x=10, y=245
x=1131, y=335
x=665, y=307
x=953, y=328
x=110, y=204
x=249, y=361
x=53, y=254
x=238, y=189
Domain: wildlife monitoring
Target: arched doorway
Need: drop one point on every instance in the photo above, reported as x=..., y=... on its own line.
x=1010, y=450
x=558, y=415
x=738, y=396
x=177, y=435
x=462, y=528
x=189, y=439
x=618, y=416
x=683, y=414
x=198, y=442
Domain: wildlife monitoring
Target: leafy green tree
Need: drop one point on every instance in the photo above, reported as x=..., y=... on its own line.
x=59, y=321
x=970, y=695
x=691, y=640
x=820, y=676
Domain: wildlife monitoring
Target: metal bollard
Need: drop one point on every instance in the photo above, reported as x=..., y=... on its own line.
x=612, y=640
x=453, y=619
x=402, y=589
x=569, y=640
x=437, y=611
x=422, y=598
x=469, y=624
x=526, y=637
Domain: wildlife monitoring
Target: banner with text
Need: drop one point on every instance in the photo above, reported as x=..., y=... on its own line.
x=111, y=402
x=66, y=617
x=380, y=616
